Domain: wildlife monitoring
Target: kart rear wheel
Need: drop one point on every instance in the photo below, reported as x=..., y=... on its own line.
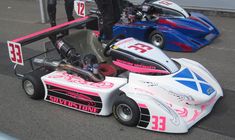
x=157, y=39
x=126, y=111
x=32, y=85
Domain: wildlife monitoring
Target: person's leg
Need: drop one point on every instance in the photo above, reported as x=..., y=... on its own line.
x=108, y=28
x=69, y=7
x=108, y=19
x=100, y=5
x=117, y=9
x=51, y=9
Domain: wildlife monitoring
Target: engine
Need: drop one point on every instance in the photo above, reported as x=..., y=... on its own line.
x=85, y=66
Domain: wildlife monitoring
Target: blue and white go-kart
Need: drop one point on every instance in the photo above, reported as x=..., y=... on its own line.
x=165, y=25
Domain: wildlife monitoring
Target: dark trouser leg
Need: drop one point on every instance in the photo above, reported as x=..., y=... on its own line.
x=117, y=9
x=99, y=4
x=51, y=9
x=106, y=9
x=69, y=6
x=110, y=10
x=108, y=28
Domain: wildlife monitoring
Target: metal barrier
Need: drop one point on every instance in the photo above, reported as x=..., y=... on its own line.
x=43, y=11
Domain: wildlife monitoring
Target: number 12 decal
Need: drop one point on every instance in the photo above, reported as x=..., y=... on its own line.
x=15, y=52
x=81, y=8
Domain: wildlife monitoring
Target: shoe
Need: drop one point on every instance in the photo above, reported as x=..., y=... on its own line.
x=53, y=23
x=70, y=18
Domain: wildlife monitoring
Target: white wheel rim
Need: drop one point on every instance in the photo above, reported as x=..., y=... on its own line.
x=28, y=87
x=157, y=40
x=124, y=112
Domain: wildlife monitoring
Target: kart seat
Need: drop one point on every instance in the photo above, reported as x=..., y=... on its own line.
x=85, y=42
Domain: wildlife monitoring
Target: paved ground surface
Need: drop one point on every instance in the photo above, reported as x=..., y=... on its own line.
x=24, y=118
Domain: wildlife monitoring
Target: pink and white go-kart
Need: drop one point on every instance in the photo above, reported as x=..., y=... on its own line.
x=136, y=81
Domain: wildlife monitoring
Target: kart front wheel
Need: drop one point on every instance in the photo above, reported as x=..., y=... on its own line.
x=126, y=111
x=157, y=39
x=32, y=85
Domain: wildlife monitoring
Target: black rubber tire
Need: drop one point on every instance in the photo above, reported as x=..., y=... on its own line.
x=157, y=33
x=124, y=100
x=35, y=79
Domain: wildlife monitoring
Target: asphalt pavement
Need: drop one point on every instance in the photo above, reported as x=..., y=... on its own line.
x=28, y=119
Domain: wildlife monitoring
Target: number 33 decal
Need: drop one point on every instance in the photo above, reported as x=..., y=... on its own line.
x=15, y=52
x=159, y=123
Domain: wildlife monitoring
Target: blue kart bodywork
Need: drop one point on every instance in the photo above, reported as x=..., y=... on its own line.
x=180, y=34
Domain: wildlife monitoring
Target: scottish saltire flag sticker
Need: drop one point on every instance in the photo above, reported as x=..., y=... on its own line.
x=194, y=81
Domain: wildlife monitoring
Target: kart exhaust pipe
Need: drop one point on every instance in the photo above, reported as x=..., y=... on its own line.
x=51, y=65
x=94, y=76
x=87, y=75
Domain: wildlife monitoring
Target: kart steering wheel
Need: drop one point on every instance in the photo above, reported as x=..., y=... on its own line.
x=107, y=47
